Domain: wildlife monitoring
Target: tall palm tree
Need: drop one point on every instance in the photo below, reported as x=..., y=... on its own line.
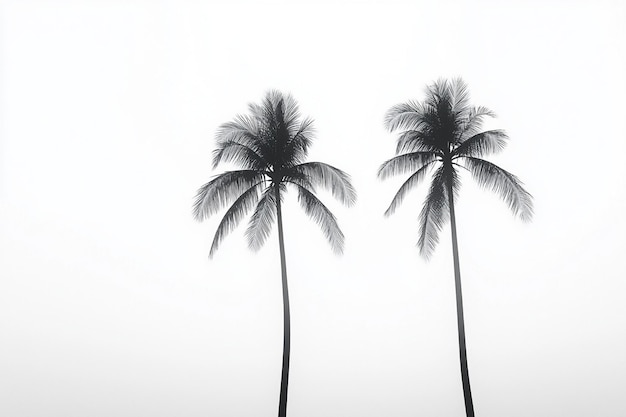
x=271, y=144
x=444, y=133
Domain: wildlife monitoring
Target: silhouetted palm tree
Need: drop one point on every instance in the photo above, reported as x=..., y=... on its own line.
x=443, y=133
x=271, y=145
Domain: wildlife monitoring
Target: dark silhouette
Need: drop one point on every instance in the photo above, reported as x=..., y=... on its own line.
x=444, y=132
x=271, y=145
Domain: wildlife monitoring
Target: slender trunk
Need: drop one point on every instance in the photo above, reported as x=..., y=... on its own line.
x=467, y=392
x=284, y=381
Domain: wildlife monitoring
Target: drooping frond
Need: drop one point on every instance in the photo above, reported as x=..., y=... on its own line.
x=482, y=144
x=328, y=177
x=404, y=116
x=222, y=190
x=405, y=163
x=262, y=219
x=321, y=215
x=411, y=182
x=503, y=183
x=234, y=214
x=434, y=214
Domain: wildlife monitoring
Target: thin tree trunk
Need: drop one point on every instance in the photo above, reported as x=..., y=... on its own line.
x=284, y=381
x=467, y=392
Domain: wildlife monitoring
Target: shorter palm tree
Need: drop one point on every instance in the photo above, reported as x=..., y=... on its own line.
x=271, y=145
x=444, y=133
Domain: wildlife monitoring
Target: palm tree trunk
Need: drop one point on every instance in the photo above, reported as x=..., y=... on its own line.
x=284, y=381
x=467, y=392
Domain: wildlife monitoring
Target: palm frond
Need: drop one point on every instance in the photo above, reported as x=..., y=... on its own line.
x=269, y=103
x=262, y=219
x=328, y=177
x=266, y=119
x=246, y=125
x=274, y=101
x=321, y=215
x=454, y=93
x=247, y=130
x=297, y=146
x=434, y=214
x=295, y=177
x=234, y=214
x=223, y=189
x=243, y=128
x=279, y=125
x=233, y=151
x=404, y=163
x=507, y=185
x=404, y=116
x=291, y=113
x=436, y=93
x=459, y=96
x=411, y=182
x=472, y=122
x=415, y=141
x=283, y=139
x=481, y=144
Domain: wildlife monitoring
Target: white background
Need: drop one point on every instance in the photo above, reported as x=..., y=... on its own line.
x=109, y=305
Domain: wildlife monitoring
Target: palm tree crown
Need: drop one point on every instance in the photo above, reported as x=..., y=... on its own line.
x=270, y=145
x=444, y=132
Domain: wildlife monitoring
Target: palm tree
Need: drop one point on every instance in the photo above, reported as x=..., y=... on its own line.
x=271, y=145
x=444, y=133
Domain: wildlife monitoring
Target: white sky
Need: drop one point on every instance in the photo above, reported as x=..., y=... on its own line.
x=109, y=305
